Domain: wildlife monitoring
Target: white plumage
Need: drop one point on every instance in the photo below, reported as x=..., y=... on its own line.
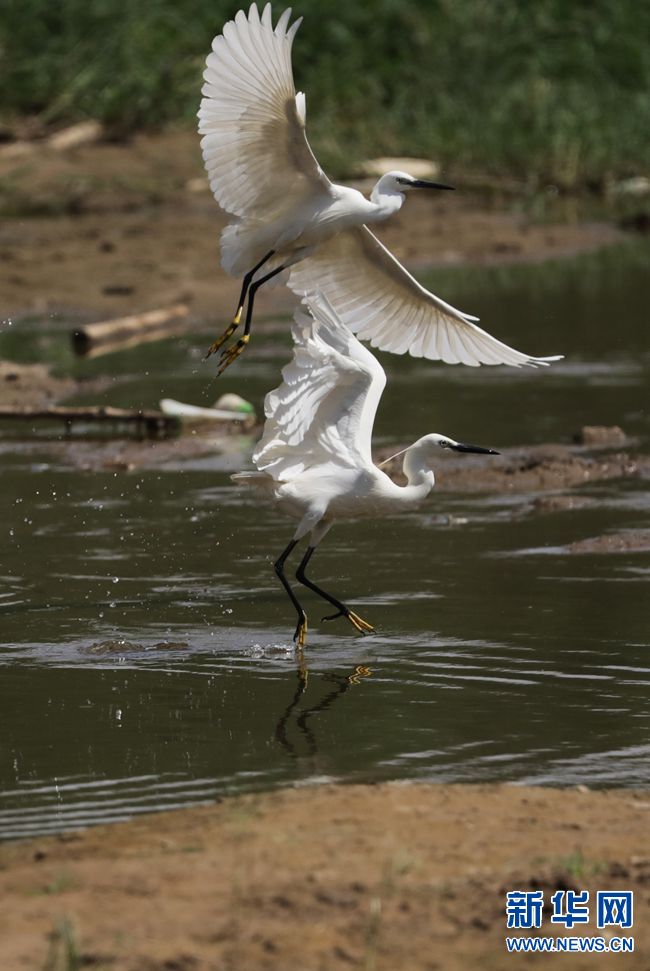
x=287, y=213
x=314, y=458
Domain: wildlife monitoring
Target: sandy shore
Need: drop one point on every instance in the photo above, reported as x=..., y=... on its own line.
x=389, y=877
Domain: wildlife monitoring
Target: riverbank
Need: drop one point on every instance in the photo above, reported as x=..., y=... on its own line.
x=395, y=877
x=112, y=228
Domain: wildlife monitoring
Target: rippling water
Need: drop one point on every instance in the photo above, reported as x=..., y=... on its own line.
x=145, y=645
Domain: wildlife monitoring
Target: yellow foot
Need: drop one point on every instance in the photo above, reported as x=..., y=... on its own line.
x=359, y=623
x=300, y=637
x=232, y=353
x=220, y=341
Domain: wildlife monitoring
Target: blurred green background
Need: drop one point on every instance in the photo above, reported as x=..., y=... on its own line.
x=550, y=90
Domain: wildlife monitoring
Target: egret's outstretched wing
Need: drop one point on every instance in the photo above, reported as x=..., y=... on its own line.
x=325, y=407
x=381, y=302
x=253, y=124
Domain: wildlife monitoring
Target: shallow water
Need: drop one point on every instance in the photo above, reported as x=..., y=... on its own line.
x=146, y=647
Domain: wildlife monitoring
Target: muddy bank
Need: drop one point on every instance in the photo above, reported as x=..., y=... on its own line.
x=385, y=877
x=540, y=468
x=118, y=228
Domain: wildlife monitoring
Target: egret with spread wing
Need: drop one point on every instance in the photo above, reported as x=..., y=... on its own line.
x=286, y=212
x=314, y=458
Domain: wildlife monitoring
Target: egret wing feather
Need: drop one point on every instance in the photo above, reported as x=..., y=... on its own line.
x=254, y=145
x=324, y=410
x=357, y=275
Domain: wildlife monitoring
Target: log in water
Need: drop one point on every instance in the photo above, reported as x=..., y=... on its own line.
x=103, y=337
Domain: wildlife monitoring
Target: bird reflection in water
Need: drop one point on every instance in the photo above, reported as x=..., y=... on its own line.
x=342, y=683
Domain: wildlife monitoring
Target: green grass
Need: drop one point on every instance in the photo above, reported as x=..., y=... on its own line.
x=579, y=868
x=61, y=883
x=63, y=954
x=551, y=91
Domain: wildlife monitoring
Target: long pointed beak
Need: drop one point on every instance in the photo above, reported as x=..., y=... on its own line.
x=425, y=184
x=459, y=447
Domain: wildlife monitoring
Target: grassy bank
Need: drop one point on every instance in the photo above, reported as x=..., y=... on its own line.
x=552, y=91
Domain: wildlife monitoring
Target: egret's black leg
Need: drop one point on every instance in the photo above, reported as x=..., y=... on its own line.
x=300, y=635
x=342, y=611
x=230, y=330
x=229, y=355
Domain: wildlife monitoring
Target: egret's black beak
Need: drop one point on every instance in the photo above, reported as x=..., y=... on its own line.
x=425, y=184
x=459, y=447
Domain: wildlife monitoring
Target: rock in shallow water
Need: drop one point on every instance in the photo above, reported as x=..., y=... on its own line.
x=600, y=435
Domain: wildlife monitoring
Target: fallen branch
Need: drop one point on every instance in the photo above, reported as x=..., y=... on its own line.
x=154, y=423
x=92, y=340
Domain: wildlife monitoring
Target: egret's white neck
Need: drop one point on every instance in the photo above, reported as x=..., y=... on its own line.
x=418, y=471
x=386, y=201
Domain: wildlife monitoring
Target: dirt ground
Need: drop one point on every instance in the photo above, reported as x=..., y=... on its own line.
x=389, y=878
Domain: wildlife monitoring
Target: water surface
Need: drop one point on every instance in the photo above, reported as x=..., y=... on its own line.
x=496, y=656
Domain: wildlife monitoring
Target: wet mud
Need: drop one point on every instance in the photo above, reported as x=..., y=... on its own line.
x=627, y=541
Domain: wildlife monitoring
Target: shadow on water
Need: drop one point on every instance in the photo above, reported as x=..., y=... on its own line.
x=145, y=643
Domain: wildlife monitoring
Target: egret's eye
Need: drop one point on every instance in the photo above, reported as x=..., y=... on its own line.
x=445, y=444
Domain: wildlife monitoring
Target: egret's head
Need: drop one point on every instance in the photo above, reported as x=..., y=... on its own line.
x=438, y=443
x=429, y=447
x=403, y=182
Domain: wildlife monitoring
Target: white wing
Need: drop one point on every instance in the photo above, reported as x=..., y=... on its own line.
x=253, y=125
x=325, y=407
x=381, y=302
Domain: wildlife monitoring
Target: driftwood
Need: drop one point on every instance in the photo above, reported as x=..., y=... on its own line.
x=106, y=336
x=153, y=423
x=83, y=133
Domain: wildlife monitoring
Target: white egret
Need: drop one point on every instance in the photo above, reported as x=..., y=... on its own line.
x=287, y=213
x=314, y=458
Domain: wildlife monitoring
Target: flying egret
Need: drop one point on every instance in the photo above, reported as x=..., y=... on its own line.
x=314, y=457
x=287, y=213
